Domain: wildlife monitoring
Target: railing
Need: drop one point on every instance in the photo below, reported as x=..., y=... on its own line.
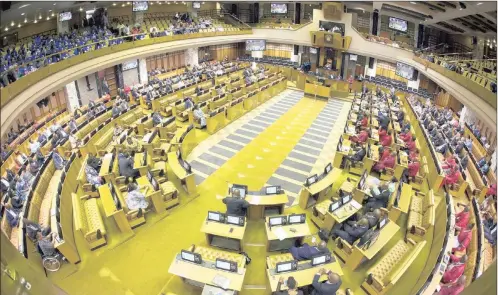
x=282, y=26
x=97, y=49
x=480, y=91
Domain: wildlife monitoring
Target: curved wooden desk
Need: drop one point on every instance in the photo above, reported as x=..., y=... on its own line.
x=186, y=179
x=317, y=192
x=260, y=202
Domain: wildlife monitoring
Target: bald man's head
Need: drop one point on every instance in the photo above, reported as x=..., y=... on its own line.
x=322, y=245
x=463, y=259
x=377, y=213
x=333, y=278
x=462, y=280
x=363, y=222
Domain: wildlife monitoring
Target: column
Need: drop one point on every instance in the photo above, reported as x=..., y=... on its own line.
x=192, y=56
x=478, y=51
x=467, y=115
x=73, y=100
x=297, y=13
x=142, y=71
x=62, y=27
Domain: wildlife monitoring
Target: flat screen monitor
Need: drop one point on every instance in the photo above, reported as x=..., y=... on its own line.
x=277, y=220
x=328, y=168
x=186, y=166
x=312, y=179
x=144, y=159
x=196, y=5
x=320, y=259
x=313, y=50
x=279, y=8
x=398, y=24
x=272, y=190
x=226, y=265
x=239, y=189
x=155, y=184
x=353, y=57
x=286, y=266
x=334, y=206
x=149, y=176
x=178, y=154
x=140, y=5
x=297, y=218
x=382, y=222
x=346, y=198
x=235, y=220
x=405, y=71
x=215, y=216
x=64, y=16
x=255, y=45
x=191, y=257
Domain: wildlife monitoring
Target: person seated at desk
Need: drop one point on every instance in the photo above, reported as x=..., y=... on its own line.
x=329, y=287
x=34, y=146
x=401, y=116
x=484, y=167
x=116, y=111
x=117, y=132
x=373, y=217
x=306, y=252
x=33, y=166
x=383, y=120
x=135, y=199
x=411, y=172
x=380, y=195
x=189, y=103
x=33, y=228
x=454, y=270
x=291, y=285
x=451, y=178
x=453, y=288
x=409, y=145
x=351, y=230
x=47, y=244
x=463, y=239
x=157, y=118
x=75, y=143
x=11, y=136
x=73, y=127
x=132, y=144
x=362, y=137
x=385, y=137
x=359, y=153
x=199, y=116
x=20, y=159
x=362, y=120
x=405, y=136
x=94, y=162
x=235, y=205
x=489, y=228
x=125, y=163
x=387, y=162
x=58, y=160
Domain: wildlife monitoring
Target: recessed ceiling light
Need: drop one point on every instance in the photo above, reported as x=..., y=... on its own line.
x=479, y=3
x=81, y=8
x=460, y=8
x=25, y=20
x=23, y=13
x=123, y=5
x=6, y=29
x=12, y=23
x=55, y=4
x=35, y=21
x=113, y=4
x=53, y=14
x=127, y=3
x=40, y=17
x=48, y=17
x=22, y=6
x=19, y=25
x=50, y=10
x=413, y=2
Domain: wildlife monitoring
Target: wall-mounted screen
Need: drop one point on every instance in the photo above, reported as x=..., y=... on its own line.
x=405, y=71
x=398, y=24
x=130, y=65
x=196, y=5
x=313, y=50
x=278, y=8
x=63, y=16
x=140, y=5
x=255, y=45
x=353, y=57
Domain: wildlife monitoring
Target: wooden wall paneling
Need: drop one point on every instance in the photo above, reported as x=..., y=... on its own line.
x=147, y=63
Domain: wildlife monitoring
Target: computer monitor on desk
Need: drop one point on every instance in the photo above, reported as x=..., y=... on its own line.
x=226, y=265
x=286, y=266
x=321, y=259
x=149, y=176
x=297, y=218
x=310, y=180
x=235, y=220
x=216, y=216
x=346, y=198
x=334, y=206
x=327, y=169
x=186, y=166
x=272, y=190
x=277, y=220
x=191, y=257
x=242, y=189
x=144, y=159
x=382, y=222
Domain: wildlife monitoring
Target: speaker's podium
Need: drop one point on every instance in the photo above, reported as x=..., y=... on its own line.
x=316, y=188
x=268, y=201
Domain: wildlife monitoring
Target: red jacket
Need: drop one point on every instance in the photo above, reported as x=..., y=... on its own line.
x=453, y=272
x=451, y=178
x=412, y=155
x=464, y=238
x=386, y=140
x=411, y=146
x=382, y=132
x=413, y=169
x=384, y=155
x=462, y=219
x=451, y=290
x=491, y=190
x=364, y=121
x=406, y=136
x=363, y=137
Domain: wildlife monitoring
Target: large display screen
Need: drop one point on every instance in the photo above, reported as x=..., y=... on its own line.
x=405, y=71
x=63, y=16
x=196, y=5
x=278, y=8
x=255, y=45
x=140, y=5
x=398, y=24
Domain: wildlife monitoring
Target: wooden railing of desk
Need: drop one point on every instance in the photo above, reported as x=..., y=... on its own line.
x=187, y=179
x=321, y=187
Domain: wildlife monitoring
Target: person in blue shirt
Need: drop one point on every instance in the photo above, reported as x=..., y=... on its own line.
x=58, y=160
x=189, y=103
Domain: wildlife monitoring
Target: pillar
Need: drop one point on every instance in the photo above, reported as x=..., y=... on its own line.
x=297, y=13
x=142, y=71
x=192, y=56
x=73, y=100
x=62, y=27
x=467, y=115
x=478, y=51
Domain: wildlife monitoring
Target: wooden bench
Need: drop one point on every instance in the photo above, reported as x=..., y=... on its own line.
x=88, y=221
x=388, y=270
x=422, y=216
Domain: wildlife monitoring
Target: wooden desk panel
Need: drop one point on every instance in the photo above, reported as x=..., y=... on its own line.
x=199, y=273
x=106, y=165
x=223, y=230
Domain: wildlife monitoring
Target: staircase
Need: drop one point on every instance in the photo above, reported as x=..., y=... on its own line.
x=110, y=76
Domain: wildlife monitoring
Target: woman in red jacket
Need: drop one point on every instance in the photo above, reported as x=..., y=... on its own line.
x=387, y=162
x=452, y=177
x=453, y=288
x=386, y=139
x=454, y=270
x=464, y=238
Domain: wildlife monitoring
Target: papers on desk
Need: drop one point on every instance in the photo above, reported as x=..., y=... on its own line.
x=221, y=281
x=147, y=137
x=280, y=233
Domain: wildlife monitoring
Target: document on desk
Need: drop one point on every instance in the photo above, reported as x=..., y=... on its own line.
x=147, y=137
x=221, y=281
x=280, y=233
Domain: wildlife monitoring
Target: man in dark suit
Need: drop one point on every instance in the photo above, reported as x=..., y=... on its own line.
x=373, y=217
x=305, y=252
x=352, y=230
x=235, y=204
x=125, y=163
x=380, y=198
x=358, y=155
x=329, y=287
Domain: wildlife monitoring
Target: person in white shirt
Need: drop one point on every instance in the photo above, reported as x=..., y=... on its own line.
x=199, y=115
x=34, y=146
x=181, y=84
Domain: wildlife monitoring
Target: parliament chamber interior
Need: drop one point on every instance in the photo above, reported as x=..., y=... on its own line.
x=252, y=148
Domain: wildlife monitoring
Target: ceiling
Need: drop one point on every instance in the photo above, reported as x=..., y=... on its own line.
x=472, y=18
